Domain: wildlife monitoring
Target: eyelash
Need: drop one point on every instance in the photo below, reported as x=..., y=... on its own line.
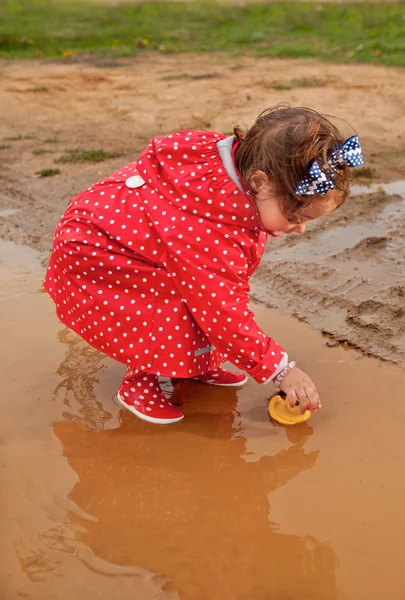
x=295, y=220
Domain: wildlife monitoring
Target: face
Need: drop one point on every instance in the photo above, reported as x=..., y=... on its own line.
x=271, y=215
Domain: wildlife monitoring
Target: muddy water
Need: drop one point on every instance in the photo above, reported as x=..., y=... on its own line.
x=345, y=275
x=339, y=238
x=224, y=505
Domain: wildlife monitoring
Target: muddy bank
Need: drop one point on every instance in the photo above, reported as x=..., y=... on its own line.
x=346, y=274
x=346, y=279
x=96, y=503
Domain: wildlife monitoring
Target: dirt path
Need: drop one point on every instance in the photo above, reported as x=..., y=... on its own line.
x=347, y=280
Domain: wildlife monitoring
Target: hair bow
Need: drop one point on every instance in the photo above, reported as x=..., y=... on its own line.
x=317, y=182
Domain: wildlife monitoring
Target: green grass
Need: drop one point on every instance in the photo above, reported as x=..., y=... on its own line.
x=47, y=172
x=92, y=156
x=364, y=172
x=290, y=84
x=17, y=138
x=42, y=151
x=38, y=89
x=192, y=76
x=5, y=146
x=358, y=32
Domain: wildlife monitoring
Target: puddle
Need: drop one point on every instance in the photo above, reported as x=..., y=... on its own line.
x=223, y=505
x=394, y=187
x=345, y=275
x=7, y=212
x=335, y=240
x=347, y=235
x=14, y=256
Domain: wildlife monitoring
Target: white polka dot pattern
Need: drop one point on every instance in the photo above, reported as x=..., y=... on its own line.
x=155, y=274
x=143, y=396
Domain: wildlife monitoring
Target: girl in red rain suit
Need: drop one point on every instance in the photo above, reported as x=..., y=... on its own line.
x=151, y=265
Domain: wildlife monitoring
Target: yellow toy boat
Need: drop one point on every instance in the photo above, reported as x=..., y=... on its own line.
x=281, y=411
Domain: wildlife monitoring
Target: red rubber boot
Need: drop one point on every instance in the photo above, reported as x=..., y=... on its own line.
x=141, y=394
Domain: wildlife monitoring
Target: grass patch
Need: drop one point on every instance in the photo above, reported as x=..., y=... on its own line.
x=92, y=156
x=295, y=83
x=47, y=173
x=364, y=173
x=191, y=76
x=5, y=146
x=37, y=90
x=352, y=32
x=17, y=138
x=42, y=151
x=53, y=140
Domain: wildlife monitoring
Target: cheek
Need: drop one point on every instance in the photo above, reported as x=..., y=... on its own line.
x=271, y=216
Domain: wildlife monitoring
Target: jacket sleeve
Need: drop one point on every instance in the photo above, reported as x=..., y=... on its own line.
x=210, y=272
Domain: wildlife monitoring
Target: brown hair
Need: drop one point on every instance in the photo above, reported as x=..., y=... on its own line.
x=283, y=143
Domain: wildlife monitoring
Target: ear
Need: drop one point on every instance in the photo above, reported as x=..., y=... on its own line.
x=258, y=180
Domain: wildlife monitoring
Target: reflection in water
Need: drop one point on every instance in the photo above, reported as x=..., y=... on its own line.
x=34, y=563
x=182, y=501
x=79, y=372
x=191, y=501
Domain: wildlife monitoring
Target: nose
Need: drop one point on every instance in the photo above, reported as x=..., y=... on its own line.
x=300, y=228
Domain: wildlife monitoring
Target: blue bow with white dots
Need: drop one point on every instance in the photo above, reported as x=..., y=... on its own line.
x=316, y=182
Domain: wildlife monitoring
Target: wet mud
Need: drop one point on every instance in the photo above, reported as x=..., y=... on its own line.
x=98, y=504
x=346, y=274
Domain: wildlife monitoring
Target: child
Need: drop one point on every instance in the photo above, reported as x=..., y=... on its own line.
x=151, y=265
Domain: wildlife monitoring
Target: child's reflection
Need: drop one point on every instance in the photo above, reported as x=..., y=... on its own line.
x=181, y=501
x=80, y=372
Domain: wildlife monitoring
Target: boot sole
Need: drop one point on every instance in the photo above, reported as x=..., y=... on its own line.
x=146, y=417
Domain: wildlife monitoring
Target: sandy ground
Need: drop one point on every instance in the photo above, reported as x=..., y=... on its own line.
x=345, y=276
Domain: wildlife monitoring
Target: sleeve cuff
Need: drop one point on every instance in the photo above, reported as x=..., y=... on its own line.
x=283, y=364
x=273, y=362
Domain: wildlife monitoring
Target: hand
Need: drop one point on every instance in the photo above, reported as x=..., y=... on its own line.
x=299, y=387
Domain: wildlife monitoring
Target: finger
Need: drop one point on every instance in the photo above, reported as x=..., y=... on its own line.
x=319, y=405
x=313, y=398
x=302, y=398
x=291, y=397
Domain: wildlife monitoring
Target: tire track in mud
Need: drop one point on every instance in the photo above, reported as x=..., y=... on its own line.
x=345, y=276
